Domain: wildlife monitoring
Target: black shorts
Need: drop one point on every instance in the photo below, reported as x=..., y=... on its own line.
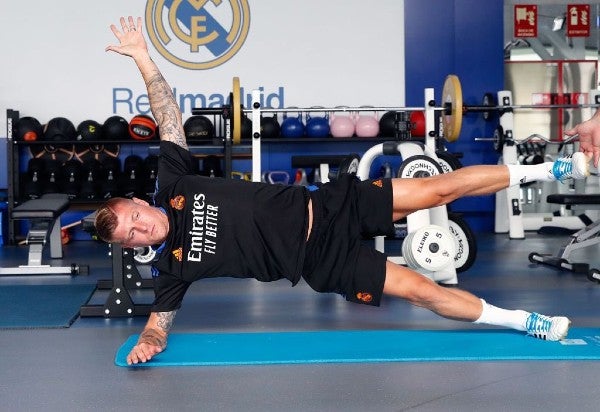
x=344, y=213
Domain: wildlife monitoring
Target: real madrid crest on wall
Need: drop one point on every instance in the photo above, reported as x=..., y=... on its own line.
x=197, y=34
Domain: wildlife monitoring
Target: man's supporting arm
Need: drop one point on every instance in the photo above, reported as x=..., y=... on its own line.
x=153, y=338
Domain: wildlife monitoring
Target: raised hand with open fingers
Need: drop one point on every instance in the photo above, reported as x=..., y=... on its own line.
x=131, y=38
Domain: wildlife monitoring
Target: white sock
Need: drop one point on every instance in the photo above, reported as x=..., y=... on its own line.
x=520, y=174
x=492, y=315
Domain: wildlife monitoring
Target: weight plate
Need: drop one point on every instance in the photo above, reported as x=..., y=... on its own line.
x=419, y=166
x=464, y=242
x=430, y=247
x=452, y=99
x=236, y=123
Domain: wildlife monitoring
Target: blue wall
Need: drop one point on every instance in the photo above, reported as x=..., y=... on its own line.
x=463, y=37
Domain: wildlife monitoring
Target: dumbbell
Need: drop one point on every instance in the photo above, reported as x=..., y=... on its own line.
x=211, y=167
x=150, y=173
x=32, y=179
x=131, y=181
x=109, y=186
x=71, y=178
x=53, y=176
x=92, y=174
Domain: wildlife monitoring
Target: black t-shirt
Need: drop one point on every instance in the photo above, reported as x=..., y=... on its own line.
x=224, y=227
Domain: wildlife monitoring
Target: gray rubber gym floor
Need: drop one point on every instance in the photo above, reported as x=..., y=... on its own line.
x=72, y=369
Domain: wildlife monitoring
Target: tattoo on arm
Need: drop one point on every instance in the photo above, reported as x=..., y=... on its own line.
x=153, y=337
x=165, y=320
x=157, y=334
x=165, y=109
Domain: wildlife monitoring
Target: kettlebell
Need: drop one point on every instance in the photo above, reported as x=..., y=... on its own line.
x=367, y=124
x=269, y=127
x=341, y=126
x=292, y=126
x=317, y=126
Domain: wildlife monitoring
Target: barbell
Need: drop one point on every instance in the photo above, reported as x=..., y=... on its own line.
x=452, y=109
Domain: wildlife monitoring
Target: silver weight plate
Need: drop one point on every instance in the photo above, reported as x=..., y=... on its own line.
x=419, y=166
x=430, y=247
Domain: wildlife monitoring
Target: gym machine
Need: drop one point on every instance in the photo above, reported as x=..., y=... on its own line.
x=587, y=236
x=510, y=216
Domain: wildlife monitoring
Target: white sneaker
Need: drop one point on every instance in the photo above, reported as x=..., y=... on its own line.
x=576, y=166
x=548, y=328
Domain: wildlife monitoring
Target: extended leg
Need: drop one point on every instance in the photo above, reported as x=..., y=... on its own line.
x=423, y=193
x=461, y=305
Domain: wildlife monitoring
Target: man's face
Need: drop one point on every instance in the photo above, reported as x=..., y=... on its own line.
x=139, y=224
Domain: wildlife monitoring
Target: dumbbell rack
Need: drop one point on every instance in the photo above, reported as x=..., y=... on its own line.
x=15, y=193
x=125, y=278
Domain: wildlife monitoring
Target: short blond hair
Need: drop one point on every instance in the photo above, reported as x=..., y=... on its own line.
x=106, y=219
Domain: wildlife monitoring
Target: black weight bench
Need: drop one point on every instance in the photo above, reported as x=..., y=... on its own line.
x=588, y=236
x=43, y=215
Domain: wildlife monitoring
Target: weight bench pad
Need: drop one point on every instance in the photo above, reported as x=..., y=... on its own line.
x=43, y=208
x=574, y=199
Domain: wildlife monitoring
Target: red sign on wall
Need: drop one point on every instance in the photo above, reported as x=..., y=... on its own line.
x=525, y=20
x=578, y=20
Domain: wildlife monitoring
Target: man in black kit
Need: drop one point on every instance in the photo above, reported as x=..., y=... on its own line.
x=210, y=227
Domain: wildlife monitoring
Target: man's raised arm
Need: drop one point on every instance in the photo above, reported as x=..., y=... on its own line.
x=162, y=102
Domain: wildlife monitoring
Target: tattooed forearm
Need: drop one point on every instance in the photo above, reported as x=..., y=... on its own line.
x=165, y=320
x=165, y=109
x=153, y=337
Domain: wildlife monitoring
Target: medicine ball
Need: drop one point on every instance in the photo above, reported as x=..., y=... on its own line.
x=292, y=126
x=270, y=127
x=29, y=129
x=89, y=130
x=115, y=128
x=417, y=119
x=246, y=127
x=60, y=129
x=199, y=127
x=142, y=127
x=317, y=126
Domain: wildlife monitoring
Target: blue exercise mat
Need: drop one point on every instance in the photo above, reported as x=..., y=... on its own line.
x=41, y=306
x=209, y=349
